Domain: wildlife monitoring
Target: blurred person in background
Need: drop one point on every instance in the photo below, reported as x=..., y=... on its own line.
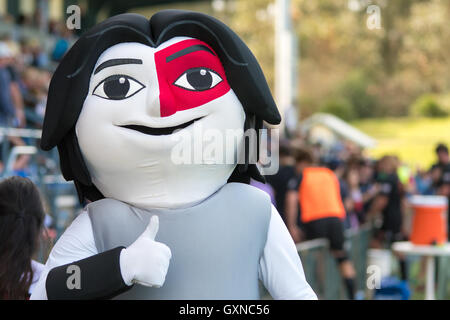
x=266, y=187
x=279, y=181
x=405, y=176
x=440, y=171
x=389, y=204
x=65, y=36
x=9, y=109
x=11, y=102
x=443, y=159
x=367, y=185
x=40, y=58
x=33, y=54
x=21, y=223
x=388, y=201
x=315, y=196
x=34, y=87
x=353, y=202
x=10, y=61
x=423, y=182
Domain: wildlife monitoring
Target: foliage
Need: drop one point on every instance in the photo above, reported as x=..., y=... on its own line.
x=357, y=90
x=340, y=107
x=428, y=106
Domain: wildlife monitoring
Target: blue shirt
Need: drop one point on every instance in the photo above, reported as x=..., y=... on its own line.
x=7, y=110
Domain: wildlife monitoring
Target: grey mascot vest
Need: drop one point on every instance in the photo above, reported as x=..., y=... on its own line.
x=216, y=245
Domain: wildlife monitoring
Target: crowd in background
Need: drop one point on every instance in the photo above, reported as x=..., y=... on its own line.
x=25, y=71
x=373, y=191
x=359, y=192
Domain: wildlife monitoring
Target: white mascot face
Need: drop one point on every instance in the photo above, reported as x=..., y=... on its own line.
x=138, y=96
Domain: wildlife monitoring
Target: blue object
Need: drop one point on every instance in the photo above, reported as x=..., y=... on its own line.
x=61, y=46
x=393, y=289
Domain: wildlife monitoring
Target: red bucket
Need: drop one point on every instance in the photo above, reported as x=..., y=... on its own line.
x=429, y=224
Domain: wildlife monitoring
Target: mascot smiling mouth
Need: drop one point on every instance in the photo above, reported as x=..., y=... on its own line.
x=159, y=131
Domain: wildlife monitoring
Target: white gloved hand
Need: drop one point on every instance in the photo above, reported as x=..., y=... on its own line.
x=146, y=261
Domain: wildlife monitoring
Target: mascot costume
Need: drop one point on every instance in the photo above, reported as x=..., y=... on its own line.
x=151, y=228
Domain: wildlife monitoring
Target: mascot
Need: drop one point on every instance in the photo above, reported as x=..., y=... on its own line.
x=153, y=228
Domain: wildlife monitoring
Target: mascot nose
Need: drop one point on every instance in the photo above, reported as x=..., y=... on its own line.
x=161, y=104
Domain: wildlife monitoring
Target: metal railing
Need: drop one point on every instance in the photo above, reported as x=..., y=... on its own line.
x=320, y=267
x=443, y=290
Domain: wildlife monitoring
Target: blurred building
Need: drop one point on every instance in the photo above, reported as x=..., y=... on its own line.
x=327, y=130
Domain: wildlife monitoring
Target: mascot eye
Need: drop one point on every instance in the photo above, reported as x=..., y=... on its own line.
x=118, y=87
x=198, y=79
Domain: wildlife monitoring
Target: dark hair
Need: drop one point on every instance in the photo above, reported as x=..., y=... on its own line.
x=303, y=155
x=284, y=149
x=70, y=82
x=21, y=218
x=441, y=148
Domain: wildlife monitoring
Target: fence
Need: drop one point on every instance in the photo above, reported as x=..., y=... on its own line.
x=321, y=269
x=443, y=290
x=323, y=275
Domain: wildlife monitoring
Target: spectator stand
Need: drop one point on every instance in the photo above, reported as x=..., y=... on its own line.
x=43, y=169
x=45, y=40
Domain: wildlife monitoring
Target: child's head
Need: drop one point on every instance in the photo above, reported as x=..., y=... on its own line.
x=21, y=218
x=303, y=159
x=352, y=178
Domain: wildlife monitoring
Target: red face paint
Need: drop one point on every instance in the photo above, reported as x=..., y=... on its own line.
x=174, y=98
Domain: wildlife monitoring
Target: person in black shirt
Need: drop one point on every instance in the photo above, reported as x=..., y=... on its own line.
x=280, y=180
x=388, y=200
x=443, y=156
x=389, y=203
x=391, y=192
x=440, y=171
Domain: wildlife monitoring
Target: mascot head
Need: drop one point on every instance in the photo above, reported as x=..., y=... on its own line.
x=130, y=86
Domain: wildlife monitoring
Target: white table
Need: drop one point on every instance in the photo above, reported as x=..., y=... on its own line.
x=428, y=251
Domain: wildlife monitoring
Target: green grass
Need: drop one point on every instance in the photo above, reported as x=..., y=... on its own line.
x=413, y=140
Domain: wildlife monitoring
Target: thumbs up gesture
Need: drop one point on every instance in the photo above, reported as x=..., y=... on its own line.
x=146, y=261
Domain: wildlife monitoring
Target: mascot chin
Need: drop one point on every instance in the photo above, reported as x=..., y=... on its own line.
x=128, y=94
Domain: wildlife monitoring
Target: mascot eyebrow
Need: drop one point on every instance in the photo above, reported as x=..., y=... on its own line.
x=116, y=62
x=185, y=51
